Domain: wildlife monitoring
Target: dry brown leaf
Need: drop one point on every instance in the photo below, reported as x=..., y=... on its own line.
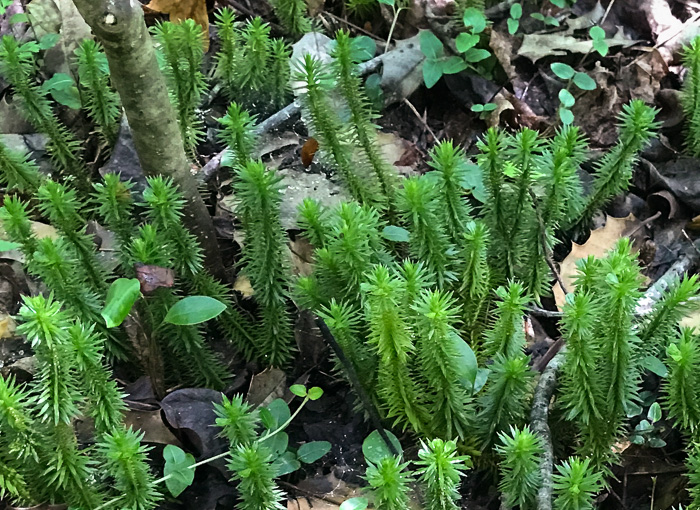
x=179, y=10
x=598, y=244
x=243, y=285
x=7, y=326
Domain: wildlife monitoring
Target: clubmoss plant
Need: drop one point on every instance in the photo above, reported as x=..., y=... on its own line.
x=389, y=482
x=114, y=205
x=691, y=97
x=182, y=46
x=575, y=485
x=475, y=278
x=440, y=473
x=293, y=15
x=681, y=385
x=346, y=54
x=226, y=58
x=238, y=134
x=19, y=173
x=265, y=259
x=311, y=82
x=100, y=101
x=520, y=452
x=278, y=88
x=507, y=335
x=17, y=66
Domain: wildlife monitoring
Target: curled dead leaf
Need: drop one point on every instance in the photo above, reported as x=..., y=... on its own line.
x=179, y=10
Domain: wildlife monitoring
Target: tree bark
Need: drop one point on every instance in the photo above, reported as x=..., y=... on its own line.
x=120, y=27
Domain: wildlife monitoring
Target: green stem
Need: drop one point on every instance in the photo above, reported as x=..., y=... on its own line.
x=393, y=25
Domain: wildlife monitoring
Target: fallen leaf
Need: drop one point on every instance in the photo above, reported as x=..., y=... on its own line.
x=537, y=46
x=598, y=244
x=154, y=277
x=151, y=424
x=244, y=286
x=266, y=386
x=308, y=151
x=7, y=326
x=179, y=10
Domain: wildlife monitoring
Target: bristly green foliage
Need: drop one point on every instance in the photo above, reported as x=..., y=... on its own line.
x=292, y=14
x=614, y=171
x=389, y=483
x=126, y=460
x=440, y=473
x=105, y=405
x=693, y=465
x=14, y=216
x=389, y=335
x=690, y=97
x=100, y=101
x=165, y=205
x=438, y=347
x=351, y=244
x=678, y=301
x=182, y=46
x=252, y=469
x=17, y=171
x=17, y=66
x=604, y=362
x=347, y=53
x=311, y=84
x=114, y=205
x=361, y=8
x=278, y=88
x=60, y=204
x=415, y=279
x=682, y=401
x=504, y=401
x=575, y=485
x=227, y=57
x=313, y=221
x=520, y=453
x=265, y=259
x=237, y=420
x=255, y=56
x=417, y=204
x=507, y=335
x=238, y=134
x=475, y=278
x=450, y=169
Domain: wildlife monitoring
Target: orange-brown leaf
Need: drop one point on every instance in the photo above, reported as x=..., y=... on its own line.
x=184, y=9
x=308, y=150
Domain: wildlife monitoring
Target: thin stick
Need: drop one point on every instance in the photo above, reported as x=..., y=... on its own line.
x=421, y=119
x=355, y=381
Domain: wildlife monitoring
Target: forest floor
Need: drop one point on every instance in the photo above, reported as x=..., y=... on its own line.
x=660, y=213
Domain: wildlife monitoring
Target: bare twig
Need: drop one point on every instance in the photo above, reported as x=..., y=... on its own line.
x=421, y=119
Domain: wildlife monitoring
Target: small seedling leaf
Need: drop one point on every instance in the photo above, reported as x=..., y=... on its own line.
x=513, y=25
x=563, y=71
x=315, y=393
x=654, y=413
x=285, y=464
x=298, y=389
x=516, y=11
x=475, y=19
x=476, y=55
x=122, y=295
x=454, y=64
x=655, y=366
x=584, y=82
x=597, y=33
x=430, y=45
x=194, y=310
x=311, y=452
x=178, y=467
x=566, y=98
x=276, y=444
x=566, y=116
x=466, y=41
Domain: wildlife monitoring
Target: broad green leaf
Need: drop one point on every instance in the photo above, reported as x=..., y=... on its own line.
x=566, y=98
x=430, y=45
x=311, y=452
x=566, y=116
x=482, y=376
x=584, y=82
x=476, y=55
x=298, y=389
x=276, y=444
x=453, y=65
x=48, y=41
x=63, y=90
x=375, y=449
x=489, y=107
x=122, y=295
x=363, y=48
x=632, y=409
x=280, y=412
x=396, y=234
x=674, y=353
x=432, y=72
x=20, y=17
x=359, y=503
x=513, y=25
x=315, y=393
x=285, y=464
x=178, y=467
x=466, y=41
x=657, y=442
x=654, y=413
x=474, y=18
x=7, y=245
x=467, y=362
x=563, y=71
x=655, y=366
x=194, y=310
x=267, y=419
x=387, y=2
x=516, y=11
x=478, y=108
